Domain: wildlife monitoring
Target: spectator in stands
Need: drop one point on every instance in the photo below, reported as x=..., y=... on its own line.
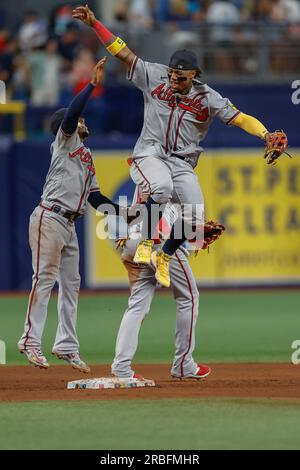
x=285, y=44
x=7, y=51
x=184, y=10
x=20, y=76
x=120, y=14
x=224, y=15
x=80, y=75
x=135, y=15
x=32, y=32
x=44, y=70
x=60, y=18
x=4, y=34
x=140, y=15
x=257, y=10
x=285, y=10
x=69, y=45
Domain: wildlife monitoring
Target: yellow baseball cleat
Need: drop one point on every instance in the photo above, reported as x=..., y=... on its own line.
x=143, y=252
x=162, y=262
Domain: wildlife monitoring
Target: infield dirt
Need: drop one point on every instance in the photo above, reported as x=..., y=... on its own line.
x=27, y=383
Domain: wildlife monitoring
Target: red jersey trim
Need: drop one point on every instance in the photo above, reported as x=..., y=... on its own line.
x=233, y=118
x=132, y=70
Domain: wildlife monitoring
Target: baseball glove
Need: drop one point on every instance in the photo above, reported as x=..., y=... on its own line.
x=212, y=231
x=276, y=145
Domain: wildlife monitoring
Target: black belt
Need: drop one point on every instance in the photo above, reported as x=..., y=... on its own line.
x=71, y=216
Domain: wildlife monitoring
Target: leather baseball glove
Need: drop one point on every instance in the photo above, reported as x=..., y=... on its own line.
x=276, y=145
x=212, y=231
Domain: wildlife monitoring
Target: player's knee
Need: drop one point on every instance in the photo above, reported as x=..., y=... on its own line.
x=46, y=278
x=191, y=297
x=74, y=283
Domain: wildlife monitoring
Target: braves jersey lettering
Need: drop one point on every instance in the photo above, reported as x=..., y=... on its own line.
x=196, y=106
x=85, y=156
x=182, y=131
x=164, y=93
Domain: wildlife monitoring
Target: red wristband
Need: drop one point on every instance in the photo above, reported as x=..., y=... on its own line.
x=103, y=33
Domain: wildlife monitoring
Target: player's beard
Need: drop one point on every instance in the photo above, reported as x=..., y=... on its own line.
x=180, y=91
x=83, y=134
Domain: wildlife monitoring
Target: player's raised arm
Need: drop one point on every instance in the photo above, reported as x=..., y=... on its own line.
x=114, y=45
x=74, y=111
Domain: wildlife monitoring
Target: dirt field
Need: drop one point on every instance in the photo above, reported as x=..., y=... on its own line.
x=26, y=383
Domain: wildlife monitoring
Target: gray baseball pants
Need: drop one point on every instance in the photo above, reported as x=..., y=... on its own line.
x=55, y=257
x=143, y=284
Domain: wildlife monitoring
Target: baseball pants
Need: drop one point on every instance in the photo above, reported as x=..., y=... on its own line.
x=168, y=179
x=55, y=257
x=143, y=284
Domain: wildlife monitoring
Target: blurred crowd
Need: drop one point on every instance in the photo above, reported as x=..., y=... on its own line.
x=147, y=13
x=43, y=58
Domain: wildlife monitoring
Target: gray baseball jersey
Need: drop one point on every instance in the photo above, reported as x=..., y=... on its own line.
x=171, y=125
x=71, y=176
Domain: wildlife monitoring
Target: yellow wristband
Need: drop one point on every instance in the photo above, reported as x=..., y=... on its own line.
x=116, y=46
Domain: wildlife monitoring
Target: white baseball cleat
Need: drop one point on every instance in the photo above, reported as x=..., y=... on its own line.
x=36, y=357
x=131, y=376
x=74, y=360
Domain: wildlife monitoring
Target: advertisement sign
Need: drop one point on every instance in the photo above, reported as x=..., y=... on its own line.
x=259, y=205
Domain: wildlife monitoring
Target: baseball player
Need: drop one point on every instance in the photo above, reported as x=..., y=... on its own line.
x=142, y=286
x=179, y=110
x=71, y=183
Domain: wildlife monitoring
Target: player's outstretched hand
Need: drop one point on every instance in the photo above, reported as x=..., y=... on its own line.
x=84, y=14
x=97, y=76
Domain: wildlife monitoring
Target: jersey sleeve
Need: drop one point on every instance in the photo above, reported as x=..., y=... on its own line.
x=141, y=73
x=94, y=184
x=222, y=108
x=67, y=142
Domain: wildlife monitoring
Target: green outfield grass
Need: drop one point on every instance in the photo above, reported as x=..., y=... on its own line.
x=232, y=326
x=188, y=424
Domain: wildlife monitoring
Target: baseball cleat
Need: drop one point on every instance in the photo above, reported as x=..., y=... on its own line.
x=74, y=360
x=162, y=262
x=132, y=376
x=201, y=372
x=138, y=377
x=36, y=357
x=143, y=252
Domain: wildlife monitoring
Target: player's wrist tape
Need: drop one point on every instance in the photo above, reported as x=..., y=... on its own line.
x=116, y=46
x=102, y=32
